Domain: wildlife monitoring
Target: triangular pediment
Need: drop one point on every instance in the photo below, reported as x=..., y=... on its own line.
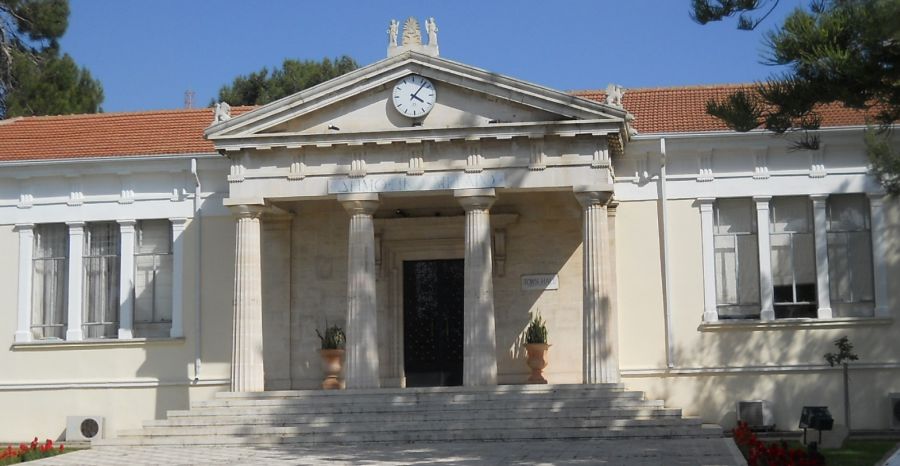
x=360, y=102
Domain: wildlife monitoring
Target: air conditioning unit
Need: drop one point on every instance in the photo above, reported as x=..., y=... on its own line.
x=895, y=410
x=756, y=413
x=83, y=428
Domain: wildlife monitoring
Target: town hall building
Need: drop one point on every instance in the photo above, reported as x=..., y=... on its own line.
x=431, y=209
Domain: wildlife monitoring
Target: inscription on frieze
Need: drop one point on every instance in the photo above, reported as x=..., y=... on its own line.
x=427, y=182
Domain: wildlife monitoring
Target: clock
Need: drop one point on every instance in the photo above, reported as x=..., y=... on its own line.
x=413, y=96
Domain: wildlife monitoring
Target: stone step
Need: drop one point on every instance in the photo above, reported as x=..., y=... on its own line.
x=350, y=407
x=422, y=399
x=533, y=388
x=507, y=434
x=281, y=418
x=408, y=426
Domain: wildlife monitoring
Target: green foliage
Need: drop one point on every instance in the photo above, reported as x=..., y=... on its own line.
x=334, y=338
x=536, y=331
x=885, y=158
x=704, y=11
x=843, y=51
x=260, y=87
x=34, y=78
x=844, y=354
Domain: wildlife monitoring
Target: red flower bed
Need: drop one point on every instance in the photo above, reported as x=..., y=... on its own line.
x=28, y=452
x=758, y=453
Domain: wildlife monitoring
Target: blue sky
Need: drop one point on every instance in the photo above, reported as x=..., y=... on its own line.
x=147, y=54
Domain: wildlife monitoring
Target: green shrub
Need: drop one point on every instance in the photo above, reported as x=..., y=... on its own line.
x=536, y=331
x=334, y=338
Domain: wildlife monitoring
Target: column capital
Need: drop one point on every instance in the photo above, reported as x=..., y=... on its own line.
x=875, y=198
x=76, y=228
x=706, y=203
x=359, y=203
x=247, y=210
x=612, y=207
x=475, y=199
x=819, y=199
x=23, y=227
x=126, y=225
x=762, y=202
x=591, y=198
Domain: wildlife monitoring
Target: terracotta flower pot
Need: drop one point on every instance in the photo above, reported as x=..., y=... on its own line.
x=537, y=361
x=332, y=363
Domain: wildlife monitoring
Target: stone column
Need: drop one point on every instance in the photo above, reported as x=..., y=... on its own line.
x=126, y=279
x=361, y=369
x=710, y=311
x=820, y=235
x=766, y=288
x=74, y=331
x=247, y=372
x=600, y=363
x=479, y=342
x=879, y=254
x=178, y=226
x=26, y=269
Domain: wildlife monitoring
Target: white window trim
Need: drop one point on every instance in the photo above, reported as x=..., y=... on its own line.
x=820, y=219
x=74, y=331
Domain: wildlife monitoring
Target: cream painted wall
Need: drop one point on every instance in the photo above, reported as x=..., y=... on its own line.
x=40, y=384
x=794, y=353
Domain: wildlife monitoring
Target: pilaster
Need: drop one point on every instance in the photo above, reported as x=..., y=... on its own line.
x=766, y=289
x=74, y=330
x=480, y=346
x=126, y=279
x=26, y=254
x=820, y=223
x=879, y=264
x=247, y=372
x=707, y=225
x=362, y=366
x=178, y=226
x=600, y=335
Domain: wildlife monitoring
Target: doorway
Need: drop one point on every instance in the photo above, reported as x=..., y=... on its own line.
x=433, y=322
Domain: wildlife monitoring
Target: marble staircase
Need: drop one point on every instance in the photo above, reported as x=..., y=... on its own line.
x=434, y=414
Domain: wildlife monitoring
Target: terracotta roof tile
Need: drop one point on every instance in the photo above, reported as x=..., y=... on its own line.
x=683, y=109
x=657, y=110
x=107, y=134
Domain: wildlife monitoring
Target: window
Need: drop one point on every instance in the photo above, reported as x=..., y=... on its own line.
x=101, y=280
x=153, y=278
x=736, y=259
x=48, y=288
x=793, y=257
x=850, y=256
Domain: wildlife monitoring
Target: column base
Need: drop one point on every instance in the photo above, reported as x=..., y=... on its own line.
x=125, y=334
x=710, y=317
x=23, y=337
x=824, y=313
x=767, y=314
x=882, y=312
x=74, y=335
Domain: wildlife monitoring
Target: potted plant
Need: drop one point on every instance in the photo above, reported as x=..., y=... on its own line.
x=332, y=356
x=536, y=346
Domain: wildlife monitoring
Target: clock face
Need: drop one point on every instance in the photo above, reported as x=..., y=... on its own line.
x=413, y=96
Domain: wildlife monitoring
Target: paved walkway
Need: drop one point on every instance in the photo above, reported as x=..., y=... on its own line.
x=550, y=452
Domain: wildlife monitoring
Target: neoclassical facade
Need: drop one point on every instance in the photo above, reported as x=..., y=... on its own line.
x=431, y=208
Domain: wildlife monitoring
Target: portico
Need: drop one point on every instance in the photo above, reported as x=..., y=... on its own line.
x=509, y=177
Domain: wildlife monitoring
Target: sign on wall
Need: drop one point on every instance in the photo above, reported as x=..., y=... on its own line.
x=540, y=282
x=426, y=182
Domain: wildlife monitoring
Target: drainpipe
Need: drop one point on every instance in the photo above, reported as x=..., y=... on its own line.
x=198, y=272
x=667, y=273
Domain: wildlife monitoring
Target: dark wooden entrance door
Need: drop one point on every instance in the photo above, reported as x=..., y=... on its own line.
x=433, y=322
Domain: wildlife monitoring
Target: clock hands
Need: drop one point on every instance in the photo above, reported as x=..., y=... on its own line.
x=417, y=98
x=415, y=95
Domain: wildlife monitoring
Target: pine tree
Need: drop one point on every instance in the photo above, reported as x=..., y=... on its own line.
x=836, y=51
x=260, y=87
x=34, y=78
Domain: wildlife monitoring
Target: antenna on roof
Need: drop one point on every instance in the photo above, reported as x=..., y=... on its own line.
x=189, y=98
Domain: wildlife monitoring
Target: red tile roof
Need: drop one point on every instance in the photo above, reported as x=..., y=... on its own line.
x=107, y=134
x=683, y=109
x=658, y=110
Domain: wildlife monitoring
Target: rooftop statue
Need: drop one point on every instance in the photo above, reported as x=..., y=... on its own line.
x=432, y=29
x=222, y=112
x=411, y=33
x=614, y=93
x=392, y=33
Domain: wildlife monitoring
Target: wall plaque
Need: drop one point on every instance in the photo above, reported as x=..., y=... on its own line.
x=548, y=281
x=426, y=182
